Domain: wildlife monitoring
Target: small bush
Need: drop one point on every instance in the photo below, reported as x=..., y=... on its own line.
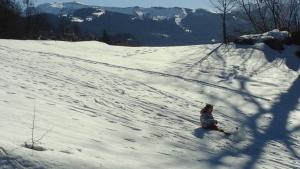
x=289, y=41
x=34, y=143
x=295, y=37
x=275, y=44
x=244, y=41
x=34, y=147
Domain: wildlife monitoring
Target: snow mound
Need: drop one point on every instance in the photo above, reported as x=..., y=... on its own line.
x=274, y=34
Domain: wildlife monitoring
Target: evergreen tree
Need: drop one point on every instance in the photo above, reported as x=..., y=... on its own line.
x=105, y=37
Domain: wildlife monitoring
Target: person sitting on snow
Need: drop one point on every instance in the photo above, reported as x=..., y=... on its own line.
x=207, y=120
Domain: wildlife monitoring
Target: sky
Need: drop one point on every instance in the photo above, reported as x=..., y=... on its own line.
x=142, y=3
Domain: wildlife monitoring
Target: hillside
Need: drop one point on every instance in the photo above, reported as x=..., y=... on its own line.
x=101, y=106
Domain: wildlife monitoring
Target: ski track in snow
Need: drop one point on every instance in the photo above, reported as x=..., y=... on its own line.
x=40, y=79
x=155, y=73
x=149, y=122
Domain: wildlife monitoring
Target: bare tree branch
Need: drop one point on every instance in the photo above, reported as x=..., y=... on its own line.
x=223, y=7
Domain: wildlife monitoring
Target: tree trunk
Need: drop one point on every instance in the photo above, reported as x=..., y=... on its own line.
x=225, y=40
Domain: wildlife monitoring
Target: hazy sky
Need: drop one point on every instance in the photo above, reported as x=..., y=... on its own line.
x=143, y=3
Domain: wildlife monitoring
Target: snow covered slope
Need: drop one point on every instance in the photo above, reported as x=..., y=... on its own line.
x=111, y=107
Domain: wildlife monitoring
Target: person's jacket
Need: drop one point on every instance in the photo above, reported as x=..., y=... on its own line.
x=207, y=120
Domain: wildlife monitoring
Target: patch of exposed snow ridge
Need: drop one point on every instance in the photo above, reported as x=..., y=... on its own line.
x=61, y=7
x=159, y=18
x=89, y=19
x=57, y=5
x=99, y=12
x=161, y=35
x=140, y=15
x=180, y=17
x=76, y=19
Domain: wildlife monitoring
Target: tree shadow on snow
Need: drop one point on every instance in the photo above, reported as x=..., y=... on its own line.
x=276, y=131
x=17, y=162
x=288, y=56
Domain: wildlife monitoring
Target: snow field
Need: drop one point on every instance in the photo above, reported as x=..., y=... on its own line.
x=122, y=107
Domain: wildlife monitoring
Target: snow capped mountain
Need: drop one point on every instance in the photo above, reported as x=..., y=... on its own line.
x=150, y=26
x=57, y=8
x=155, y=13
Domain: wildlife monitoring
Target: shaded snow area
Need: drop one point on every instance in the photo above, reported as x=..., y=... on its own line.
x=101, y=106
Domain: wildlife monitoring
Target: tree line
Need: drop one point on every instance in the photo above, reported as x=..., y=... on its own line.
x=263, y=15
x=21, y=20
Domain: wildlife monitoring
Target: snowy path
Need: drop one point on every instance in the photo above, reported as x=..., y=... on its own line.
x=131, y=106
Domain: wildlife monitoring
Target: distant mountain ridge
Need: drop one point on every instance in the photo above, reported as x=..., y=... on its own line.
x=151, y=26
x=57, y=8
